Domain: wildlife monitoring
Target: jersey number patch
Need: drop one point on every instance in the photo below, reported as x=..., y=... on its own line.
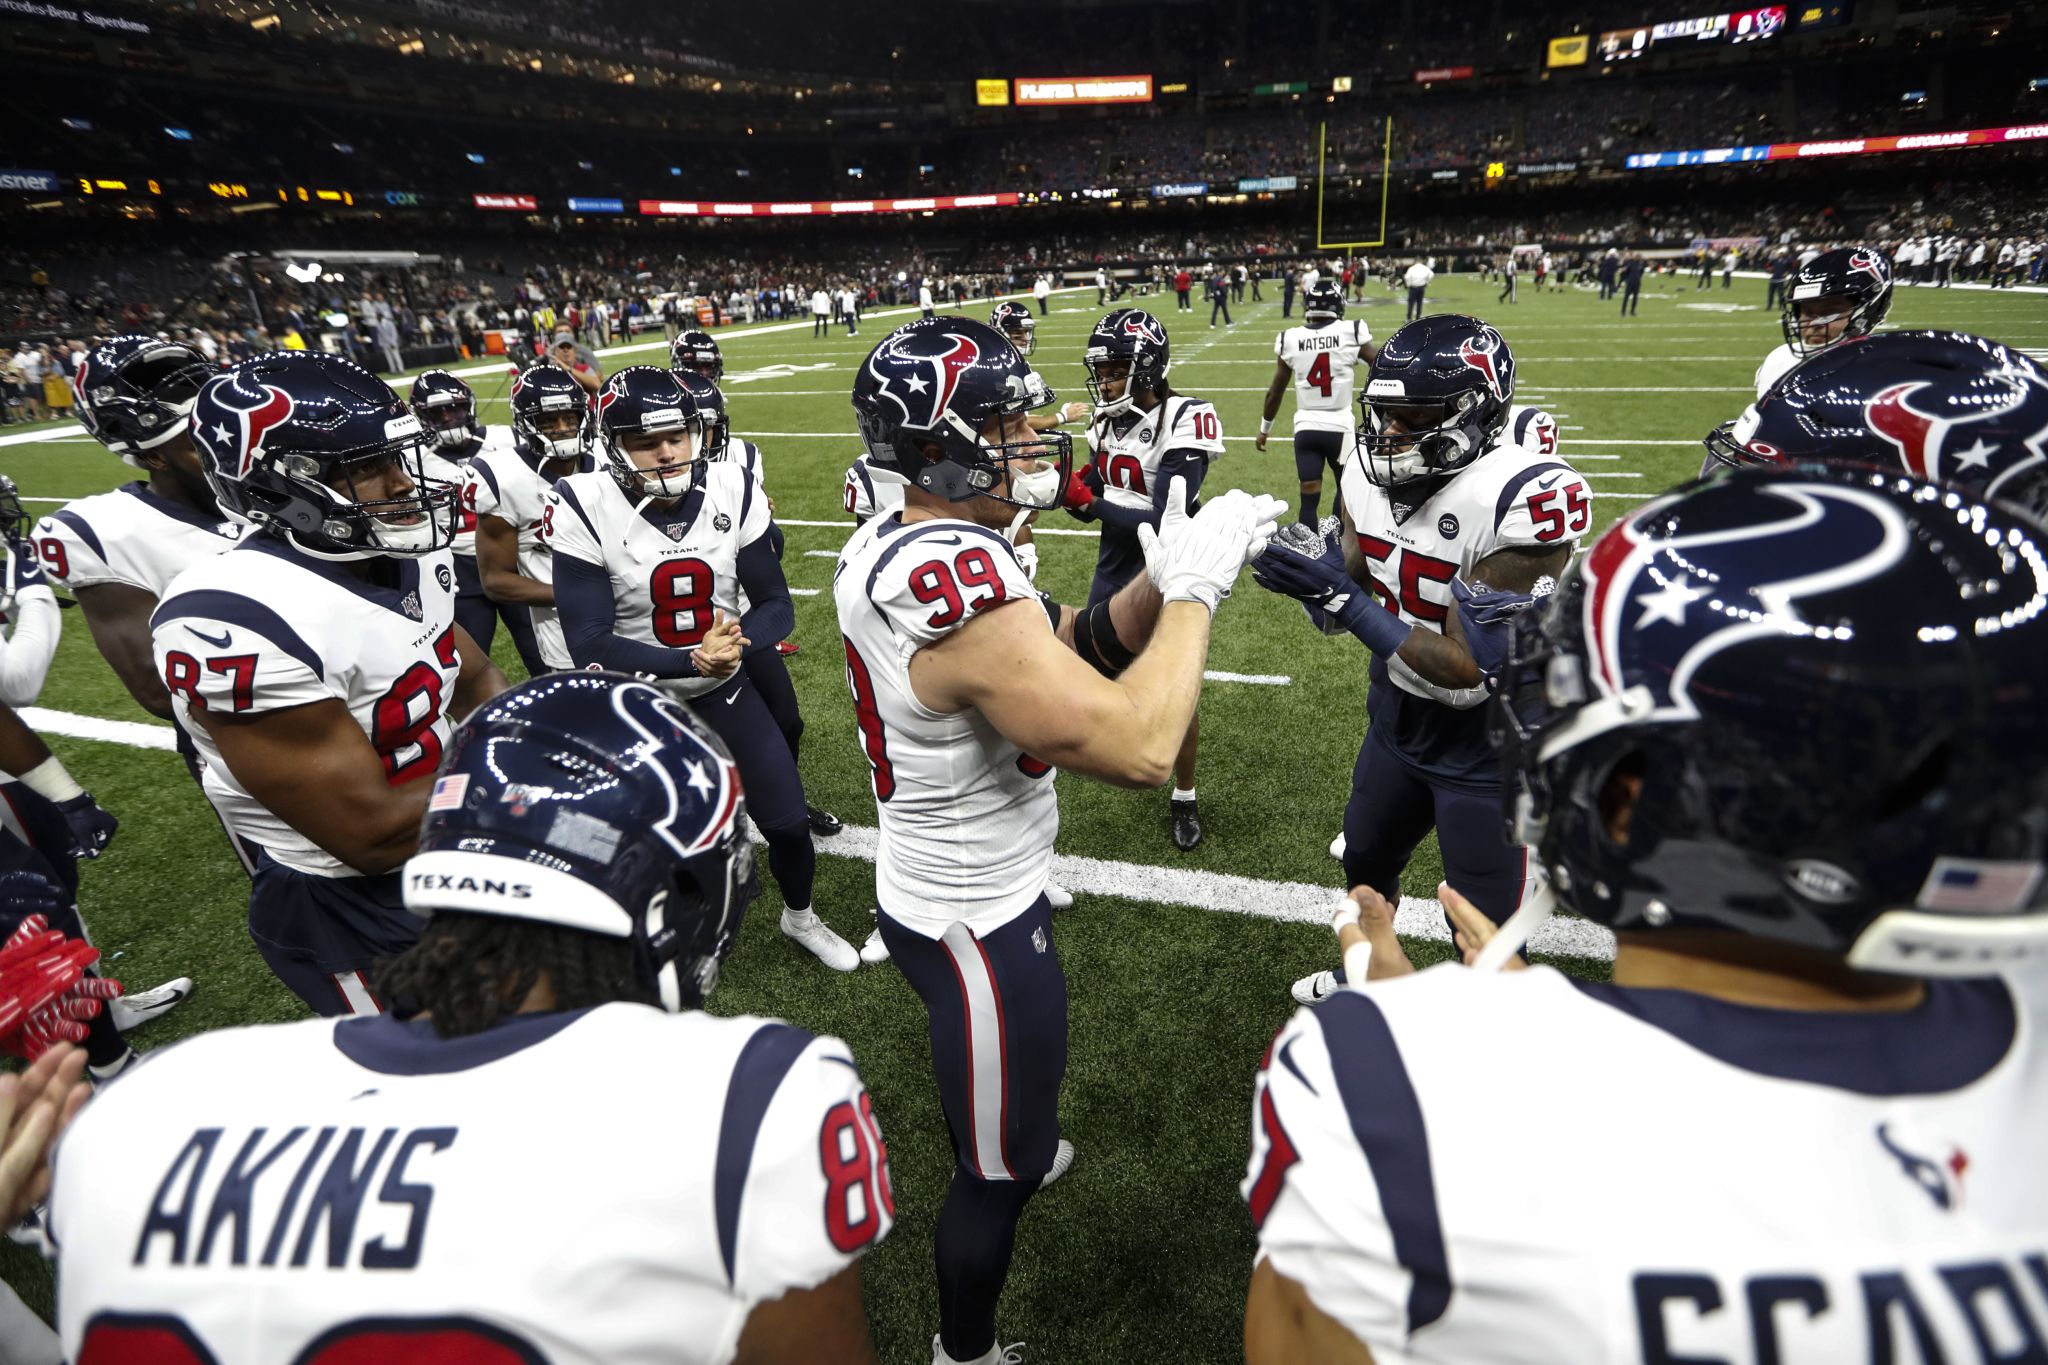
x=934, y=581
x=856, y=1163
x=1318, y=376
x=1557, y=522
x=1124, y=471
x=402, y=723
x=872, y=737
x=120, y=1339
x=1412, y=571
x=681, y=593
x=51, y=551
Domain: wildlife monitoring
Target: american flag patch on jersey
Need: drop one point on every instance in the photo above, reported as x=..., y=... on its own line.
x=448, y=792
x=1979, y=884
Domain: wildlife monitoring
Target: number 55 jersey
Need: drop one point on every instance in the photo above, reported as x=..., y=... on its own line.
x=386, y=1195
x=263, y=628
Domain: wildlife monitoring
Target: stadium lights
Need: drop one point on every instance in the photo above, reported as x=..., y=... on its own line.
x=304, y=274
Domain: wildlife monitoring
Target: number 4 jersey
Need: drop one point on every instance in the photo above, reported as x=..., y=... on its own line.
x=262, y=628
x=1323, y=360
x=382, y=1194
x=967, y=818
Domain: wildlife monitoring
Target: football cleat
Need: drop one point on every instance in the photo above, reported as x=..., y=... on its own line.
x=817, y=938
x=1062, y=1161
x=1317, y=987
x=874, y=950
x=997, y=1354
x=1187, y=825
x=1337, y=846
x=1058, y=897
x=788, y=648
x=823, y=822
x=127, y=1011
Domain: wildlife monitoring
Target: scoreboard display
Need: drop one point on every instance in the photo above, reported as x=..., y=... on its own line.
x=1734, y=26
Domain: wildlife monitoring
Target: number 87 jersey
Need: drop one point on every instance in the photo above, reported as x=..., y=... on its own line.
x=1417, y=536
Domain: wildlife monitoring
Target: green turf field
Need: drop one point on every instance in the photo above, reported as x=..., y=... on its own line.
x=1144, y=1248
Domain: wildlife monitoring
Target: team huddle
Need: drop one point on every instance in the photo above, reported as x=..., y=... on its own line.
x=1783, y=729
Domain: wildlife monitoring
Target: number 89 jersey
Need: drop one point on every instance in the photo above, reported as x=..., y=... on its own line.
x=967, y=818
x=262, y=628
x=671, y=569
x=1509, y=497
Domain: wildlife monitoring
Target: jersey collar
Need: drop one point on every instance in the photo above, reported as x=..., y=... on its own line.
x=410, y=1047
x=683, y=514
x=390, y=593
x=176, y=511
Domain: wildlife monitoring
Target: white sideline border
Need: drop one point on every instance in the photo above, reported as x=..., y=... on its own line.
x=1225, y=893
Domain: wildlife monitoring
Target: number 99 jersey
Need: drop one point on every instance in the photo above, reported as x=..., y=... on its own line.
x=967, y=818
x=1509, y=497
x=387, y=1195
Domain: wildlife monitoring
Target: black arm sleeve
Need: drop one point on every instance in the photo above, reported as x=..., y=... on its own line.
x=583, y=597
x=771, y=615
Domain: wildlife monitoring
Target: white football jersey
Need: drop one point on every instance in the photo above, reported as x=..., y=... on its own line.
x=128, y=536
x=1128, y=447
x=1703, y=1181
x=504, y=484
x=1533, y=429
x=747, y=456
x=872, y=490
x=496, y=440
x=263, y=628
x=670, y=570
x=404, y=1199
x=1779, y=363
x=1323, y=359
x=1508, y=497
x=967, y=818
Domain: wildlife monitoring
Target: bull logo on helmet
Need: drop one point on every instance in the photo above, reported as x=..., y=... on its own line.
x=921, y=385
x=255, y=410
x=1145, y=327
x=1482, y=353
x=1865, y=263
x=1922, y=439
x=1643, y=589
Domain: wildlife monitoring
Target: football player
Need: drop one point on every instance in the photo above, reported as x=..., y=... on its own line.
x=1144, y=439
x=764, y=668
x=583, y=869
x=1781, y=730
x=317, y=664
x=446, y=407
x=1438, y=497
x=508, y=491
x=1959, y=409
x=651, y=553
x=969, y=691
x=1837, y=296
x=1317, y=358
x=30, y=624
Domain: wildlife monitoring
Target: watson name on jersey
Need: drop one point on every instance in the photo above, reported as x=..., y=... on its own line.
x=967, y=818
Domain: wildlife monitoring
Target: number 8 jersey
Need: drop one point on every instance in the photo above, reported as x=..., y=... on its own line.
x=967, y=818
x=263, y=628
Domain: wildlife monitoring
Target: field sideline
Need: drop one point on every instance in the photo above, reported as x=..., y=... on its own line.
x=1178, y=964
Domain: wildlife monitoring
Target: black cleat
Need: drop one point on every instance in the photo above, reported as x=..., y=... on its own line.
x=823, y=822
x=1187, y=825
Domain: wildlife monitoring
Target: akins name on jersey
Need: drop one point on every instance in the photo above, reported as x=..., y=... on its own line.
x=129, y=536
x=1129, y=447
x=967, y=818
x=1417, y=537
x=262, y=628
x=376, y=1194
x=1907, y=1229
x=1323, y=359
x=672, y=569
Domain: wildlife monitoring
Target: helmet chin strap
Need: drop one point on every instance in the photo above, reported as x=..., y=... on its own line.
x=1537, y=907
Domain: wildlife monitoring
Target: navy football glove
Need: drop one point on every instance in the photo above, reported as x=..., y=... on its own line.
x=1488, y=616
x=1310, y=569
x=92, y=828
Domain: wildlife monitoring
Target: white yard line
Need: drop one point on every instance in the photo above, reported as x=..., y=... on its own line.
x=1292, y=902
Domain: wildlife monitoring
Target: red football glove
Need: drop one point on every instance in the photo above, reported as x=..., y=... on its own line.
x=1078, y=498
x=45, y=995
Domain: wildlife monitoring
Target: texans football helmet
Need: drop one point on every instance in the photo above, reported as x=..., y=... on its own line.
x=711, y=408
x=1014, y=321
x=595, y=802
x=1957, y=409
x=1323, y=301
x=697, y=352
x=646, y=399
x=446, y=407
x=14, y=518
x=286, y=439
x=1823, y=694
x=1848, y=286
x=925, y=398
x=1448, y=381
x=135, y=393
x=549, y=411
x=1135, y=341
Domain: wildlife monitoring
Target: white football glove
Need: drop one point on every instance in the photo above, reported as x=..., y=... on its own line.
x=1198, y=558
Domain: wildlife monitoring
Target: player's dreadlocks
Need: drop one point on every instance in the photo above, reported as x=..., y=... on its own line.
x=471, y=971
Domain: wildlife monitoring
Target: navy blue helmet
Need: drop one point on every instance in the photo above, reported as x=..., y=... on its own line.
x=711, y=408
x=1448, y=380
x=646, y=399
x=1014, y=321
x=548, y=412
x=697, y=351
x=1322, y=301
x=135, y=393
x=446, y=407
x=1836, y=296
x=593, y=801
x=14, y=518
x=926, y=398
x=1828, y=689
x=286, y=439
x=1945, y=406
x=1132, y=338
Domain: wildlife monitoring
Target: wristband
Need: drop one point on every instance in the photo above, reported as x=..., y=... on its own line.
x=50, y=779
x=1265, y=426
x=1381, y=631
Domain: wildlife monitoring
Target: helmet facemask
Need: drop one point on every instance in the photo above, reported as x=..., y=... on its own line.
x=668, y=480
x=1432, y=439
x=335, y=508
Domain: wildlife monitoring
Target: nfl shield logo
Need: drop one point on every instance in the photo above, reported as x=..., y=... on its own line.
x=411, y=606
x=675, y=531
x=721, y=522
x=1038, y=939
